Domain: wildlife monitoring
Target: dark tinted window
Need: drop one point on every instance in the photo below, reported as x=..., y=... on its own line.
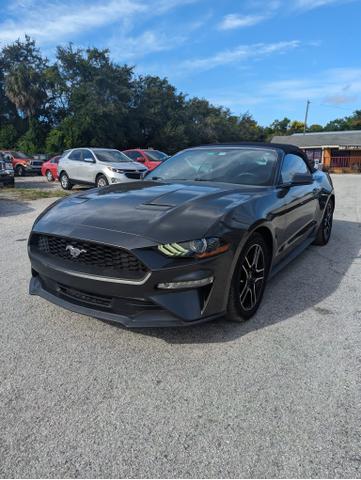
x=292, y=164
x=75, y=155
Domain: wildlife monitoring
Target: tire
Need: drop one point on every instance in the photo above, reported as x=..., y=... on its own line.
x=49, y=176
x=249, y=279
x=325, y=228
x=101, y=181
x=65, y=182
x=19, y=171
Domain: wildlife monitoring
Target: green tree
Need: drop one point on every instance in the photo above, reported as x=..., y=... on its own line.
x=95, y=95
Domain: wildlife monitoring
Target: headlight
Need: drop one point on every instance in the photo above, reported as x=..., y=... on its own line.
x=204, y=247
x=116, y=170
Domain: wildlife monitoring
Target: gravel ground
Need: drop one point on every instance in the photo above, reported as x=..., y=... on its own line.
x=276, y=397
x=40, y=182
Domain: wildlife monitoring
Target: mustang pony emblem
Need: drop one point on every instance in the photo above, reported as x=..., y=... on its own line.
x=75, y=252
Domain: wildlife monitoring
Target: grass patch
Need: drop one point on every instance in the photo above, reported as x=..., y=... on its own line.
x=30, y=193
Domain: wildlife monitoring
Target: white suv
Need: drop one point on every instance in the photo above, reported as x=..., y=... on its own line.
x=97, y=166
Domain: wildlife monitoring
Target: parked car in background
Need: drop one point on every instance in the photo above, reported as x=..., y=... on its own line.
x=149, y=157
x=21, y=162
x=38, y=160
x=49, y=169
x=6, y=172
x=97, y=166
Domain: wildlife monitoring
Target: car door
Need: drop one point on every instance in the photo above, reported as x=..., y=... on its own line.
x=299, y=204
x=73, y=163
x=87, y=166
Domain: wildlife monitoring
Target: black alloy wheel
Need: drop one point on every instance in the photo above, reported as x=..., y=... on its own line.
x=249, y=279
x=325, y=228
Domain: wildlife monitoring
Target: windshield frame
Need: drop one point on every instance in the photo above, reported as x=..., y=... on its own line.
x=278, y=153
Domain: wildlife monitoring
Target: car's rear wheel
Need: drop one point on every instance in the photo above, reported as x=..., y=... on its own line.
x=325, y=228
x=49, y=176
x=65, y=182
x=102, y=181
x=249, y=279
x=19, y=171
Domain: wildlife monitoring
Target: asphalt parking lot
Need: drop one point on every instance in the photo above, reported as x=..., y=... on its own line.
x=279, y=396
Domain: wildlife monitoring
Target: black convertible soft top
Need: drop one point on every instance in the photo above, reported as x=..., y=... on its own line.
x=286, y=148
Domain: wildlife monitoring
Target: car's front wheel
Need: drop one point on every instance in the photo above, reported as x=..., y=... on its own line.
x=20, y=171
x=102, y=181
x=49, y=176
x=249, y=279
x=65, y=182
x=325, y=228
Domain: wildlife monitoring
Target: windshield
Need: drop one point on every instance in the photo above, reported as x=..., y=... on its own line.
x=246, y=166
x=20, y=155
x=111, y=156
x=157, y=155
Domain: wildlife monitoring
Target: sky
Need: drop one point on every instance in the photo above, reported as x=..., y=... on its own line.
x=263, y=57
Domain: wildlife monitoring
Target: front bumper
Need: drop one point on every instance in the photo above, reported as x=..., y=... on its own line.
x=114, y=177
x=137, y=305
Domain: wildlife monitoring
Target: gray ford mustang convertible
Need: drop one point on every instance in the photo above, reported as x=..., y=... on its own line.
x=197, y=239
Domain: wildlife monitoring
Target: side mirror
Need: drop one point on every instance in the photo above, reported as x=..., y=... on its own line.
x=89, y=160
x=302, y=179
x=140, y=159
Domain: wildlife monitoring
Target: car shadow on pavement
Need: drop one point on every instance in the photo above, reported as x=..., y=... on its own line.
x=303, y=285
x=12, y=207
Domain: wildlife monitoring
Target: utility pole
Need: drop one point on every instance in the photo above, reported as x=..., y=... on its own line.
x=306, y=116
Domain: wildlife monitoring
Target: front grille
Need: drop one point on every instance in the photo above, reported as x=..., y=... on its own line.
x=135, y=175
x=37, y=163
x=89, y=298
x=108, y=259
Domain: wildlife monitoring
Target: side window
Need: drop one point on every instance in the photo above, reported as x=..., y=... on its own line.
x=76, y=155
x=88, y=154
x=292, y=164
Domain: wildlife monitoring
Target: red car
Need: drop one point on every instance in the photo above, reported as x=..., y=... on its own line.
x=49, y=169
x=21, y=162
x=148, y=157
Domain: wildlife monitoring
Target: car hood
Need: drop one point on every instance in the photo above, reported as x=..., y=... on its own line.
x=159, y=212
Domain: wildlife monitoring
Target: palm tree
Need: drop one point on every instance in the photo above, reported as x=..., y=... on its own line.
x=24, y=87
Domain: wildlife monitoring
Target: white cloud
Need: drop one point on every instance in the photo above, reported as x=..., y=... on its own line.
x=54, y=21
x=130, y=48
x=312, y=4
x=336, y=86
x=233, y=21
x=238, y=54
